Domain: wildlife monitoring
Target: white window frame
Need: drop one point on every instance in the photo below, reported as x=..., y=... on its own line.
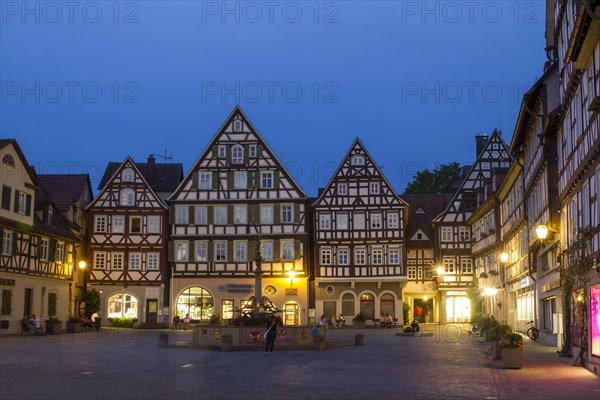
x=359, y=221
x=266, y=250
x=377, y=256
x=240, y=180
x=205, y=180
x=464, y=234
x=201, y=252
x=99, y=260
x=131, y=225
x=220, y=251
x=266, y=214
x=374, y=188
x=342, y=189
x=135, y=261
x=449, y=264
x=221, y=151
x=325, y=257
x=267, y=180
x=100, y=223
x=392, y=221
x=343, y=257
x=201, y=216
x=153, y=262
x=44, y=247
x=360, y=256
x=117, y=260
x=127, y=197
x=128, y=175
x=287, y=214
x=411, y=272
x=60, y=252
x=237, y=154
x=287, y=250
x=220, y=215
x=446, y=233
x=181, y=251
x=376, y=221
x=7, y=238
x=341, y=221
x=118, y=224
x=394, y=257
x=357, y=160
x=466, y=265
x=252, y=151
x=240, y=215
x=325, y=222
x=181, y=215
x=22, y=202
x=154, y=224
x=240, y=251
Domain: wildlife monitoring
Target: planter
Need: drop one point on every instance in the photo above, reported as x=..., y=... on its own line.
x=52, y=328
x=512, y=358
x=360, y=325
x=497, y=350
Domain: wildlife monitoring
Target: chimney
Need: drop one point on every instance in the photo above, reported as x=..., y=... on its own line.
x=480, y=142
x=150, y=166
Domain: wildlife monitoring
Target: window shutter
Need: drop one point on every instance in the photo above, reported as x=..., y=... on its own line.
x=210, y=215
x=277, y=214
x=229, y=214
x=16, y=204
x=251, y=250
x=28, y=205
x=51, y=250
x=256, y=184
x=35, y=241
x=230, y=180
x=191, y=250
x=195, y=180
x=276, y=251
x=296, y=213
x=246, y=154
x=297, y=249
x=210, y=249
x=250, y=179
x=215, y=151
x=230, y=250
x=171, y=214
x=171, y=255
x=6, y=197
x=215, y=180
x=259, y=150
x=191, y=216
x=276, y=179
x=1, y=240
x=228, y=154
x=14, y=244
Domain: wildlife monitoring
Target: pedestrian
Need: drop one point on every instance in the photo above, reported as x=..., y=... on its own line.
x=271, y=334
x=186, y=321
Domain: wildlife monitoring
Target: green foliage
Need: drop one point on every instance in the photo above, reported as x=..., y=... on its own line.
x=122, y=322
x=442, y=179
x=499, y=332
x=513, y=341
x=92, y=302
x=359, y=318
x=214, y=319
x=406, y=312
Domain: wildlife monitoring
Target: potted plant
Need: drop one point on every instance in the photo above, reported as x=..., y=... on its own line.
x=53, y=326
x=72, y=322
x=215, y=320
x=359, y=321
x=496, y=334
x=512, y=351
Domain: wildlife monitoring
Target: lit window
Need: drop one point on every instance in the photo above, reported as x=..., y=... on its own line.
x=122, y=306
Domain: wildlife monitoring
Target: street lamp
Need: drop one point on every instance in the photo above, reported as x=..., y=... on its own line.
x=82, y=264
x=291, y=274
x=542, y=231
x=504, y=257
x=440, y=271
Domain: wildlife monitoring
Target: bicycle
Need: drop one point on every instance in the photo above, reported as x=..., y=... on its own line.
x=533, y=333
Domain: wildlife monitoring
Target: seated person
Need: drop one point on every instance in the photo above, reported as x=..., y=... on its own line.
x=383, y=320
x=341, y=321
x=176, y=322
x=415, y=326
x=85, y=322
x=186, y=321
x=36, y=325
x=390, y=321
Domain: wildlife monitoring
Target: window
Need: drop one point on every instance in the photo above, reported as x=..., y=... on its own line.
x=342, y=189
x=202, y=251
x=7, y=238
x=222, y=151
x=241, y=251
x=287, y=214
x=394, y=256
x=100, y=223
x=266, y=180
x=49, y=216
x=237, y=126
x=466, y=265
x=226, y=309
x=266, y=250
x=117, y=261
x=154, y=224
x=446, y=233
x=181, y=251
x=360, y=256
x=411, y=272
x=377, y=256
x=136, y=225
x=266, y=214
x=240, y=180
x=205, y=180
x=44, y=249
x=325, y=256
x=127, y=197
x=325, y=221
x=253, y=151
x=60, y=252
x=51, y=304
x=22, y=203
x=239, y=213
x=220, y=251
x=8, y=160
x=464, y=234
x=357, y=160
x=135, y=261
x=99, y=260
x=359, y=221
x=181, y=215
x=376, y=221
x=221, y=215
x=287, y=250
x=342, y=221
x=127, y=175
x=392, y=221
x=197, y=302
x=449, y=265
x=152, y=263
x=201, y=215
x=6, y=300
x=237, y=154
x=343, y=257
x=374, y=188
x=118, y=224
x=122, y=306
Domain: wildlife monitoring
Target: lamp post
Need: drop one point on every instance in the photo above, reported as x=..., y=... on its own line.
x=440, y=273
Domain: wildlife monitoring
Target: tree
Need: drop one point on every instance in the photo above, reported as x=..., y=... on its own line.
x=442, y=179
x=92, y=302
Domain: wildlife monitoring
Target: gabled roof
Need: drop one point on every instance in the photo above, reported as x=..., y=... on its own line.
x=346, y=161
x=166, y=178
x=431, y=204
x=63, y=190
x=28, y=169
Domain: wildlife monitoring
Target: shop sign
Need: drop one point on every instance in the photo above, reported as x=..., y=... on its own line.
x=152, y=293
x=552, y=285
x=291, y=292
x=239, y=287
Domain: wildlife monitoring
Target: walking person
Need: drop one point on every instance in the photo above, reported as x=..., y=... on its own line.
x=270, y=334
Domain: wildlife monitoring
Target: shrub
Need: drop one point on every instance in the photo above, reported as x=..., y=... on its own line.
x=499, y=332
x=359, y=318
x=406, y=312
x=214, y=319
x=513, y=341
x=122, y=322
x=92, y=301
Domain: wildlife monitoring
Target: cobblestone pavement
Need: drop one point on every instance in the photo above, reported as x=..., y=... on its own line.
x=127, y=364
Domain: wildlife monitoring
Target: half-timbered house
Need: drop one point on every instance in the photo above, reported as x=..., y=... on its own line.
x=36, y=245
x=359, y=241
x=238, y=217
x=453, y=235
x=127, y=239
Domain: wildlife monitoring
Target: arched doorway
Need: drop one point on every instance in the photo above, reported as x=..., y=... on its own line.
x=387, y=304
x=367, y=305
x=291, y=313
x=197, y=302
x=348, y=305
x=122, y=305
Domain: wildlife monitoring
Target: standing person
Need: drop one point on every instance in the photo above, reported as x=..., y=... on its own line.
x=270, y=334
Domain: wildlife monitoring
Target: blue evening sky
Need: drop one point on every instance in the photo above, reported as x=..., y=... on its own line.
x=88, y=82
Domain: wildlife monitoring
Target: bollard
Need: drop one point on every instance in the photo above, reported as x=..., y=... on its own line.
x=359, y=340
x=227, y=342
x=163, y=340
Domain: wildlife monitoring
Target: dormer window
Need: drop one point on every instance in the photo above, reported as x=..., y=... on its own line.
x=8, y=160
x=49, y=216
x=237, y=154
x=237, y=126
x=128, y=175
x=127, y=197
x=357, y=160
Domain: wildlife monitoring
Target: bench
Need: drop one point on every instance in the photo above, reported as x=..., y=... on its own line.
x=27, y=326
x=392, y=324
